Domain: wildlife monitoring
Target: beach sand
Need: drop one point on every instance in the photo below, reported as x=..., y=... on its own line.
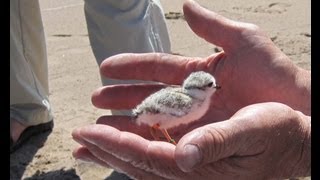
x=74, y=74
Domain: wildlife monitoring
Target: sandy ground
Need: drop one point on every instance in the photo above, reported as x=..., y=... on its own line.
x=73, y=72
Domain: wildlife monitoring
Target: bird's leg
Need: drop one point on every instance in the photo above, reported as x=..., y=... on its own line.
x=153, y=131
x=166, y=134
x=156, y=127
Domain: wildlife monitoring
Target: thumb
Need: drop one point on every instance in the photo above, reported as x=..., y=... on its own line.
x=207, y=144
x=215, y=28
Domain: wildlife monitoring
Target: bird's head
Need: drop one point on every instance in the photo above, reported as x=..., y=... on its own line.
x=200, y=84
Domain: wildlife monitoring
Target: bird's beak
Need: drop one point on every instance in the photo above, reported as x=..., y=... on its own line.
x=217, y=87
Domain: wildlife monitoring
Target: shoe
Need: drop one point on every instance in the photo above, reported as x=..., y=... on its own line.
x=29, y=132
x=118, y=176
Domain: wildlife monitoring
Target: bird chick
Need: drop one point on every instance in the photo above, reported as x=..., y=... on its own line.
x=173, y=106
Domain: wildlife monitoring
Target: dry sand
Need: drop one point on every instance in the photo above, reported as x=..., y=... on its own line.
x=73, y=72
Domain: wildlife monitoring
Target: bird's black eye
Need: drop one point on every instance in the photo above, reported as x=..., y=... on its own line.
x=210, y=84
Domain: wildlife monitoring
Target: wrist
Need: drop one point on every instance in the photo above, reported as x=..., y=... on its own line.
x=303, y=84
x=303, y=166
x=297, y=93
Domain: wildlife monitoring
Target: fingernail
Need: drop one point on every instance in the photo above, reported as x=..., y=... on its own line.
x=192, y=156
x=193, y=2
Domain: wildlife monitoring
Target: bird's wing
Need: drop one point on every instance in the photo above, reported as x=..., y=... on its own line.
x=169, y=100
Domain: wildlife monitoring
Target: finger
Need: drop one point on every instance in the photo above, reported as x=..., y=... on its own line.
x=215, y=28
x=122, y=96
x=151, y=156
x=103, y=140
x=125, y=123
x=233, y=137
x=84, y=154
x=166, y=68
x=109, y=139
x=208, y=144
x=93, y=153
x=128, y=124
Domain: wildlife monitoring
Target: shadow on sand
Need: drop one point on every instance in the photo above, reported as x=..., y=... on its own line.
x=53, y=175
x=20, y=159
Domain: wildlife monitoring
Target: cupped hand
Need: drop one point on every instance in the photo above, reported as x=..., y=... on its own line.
x=261, y=141
x=250, y=69
x=236, y=140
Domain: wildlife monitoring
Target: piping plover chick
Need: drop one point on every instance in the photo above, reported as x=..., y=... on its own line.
x=173, y=106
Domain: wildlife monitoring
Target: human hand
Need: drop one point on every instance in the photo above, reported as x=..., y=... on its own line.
x=260, y=141
x=251, y=69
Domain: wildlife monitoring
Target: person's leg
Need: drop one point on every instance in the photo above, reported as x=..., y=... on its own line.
x=29, y=102
x=125, y=26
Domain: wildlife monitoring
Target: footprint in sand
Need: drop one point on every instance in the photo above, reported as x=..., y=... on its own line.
x=277, y=7
x=271, y=8
x=174, y=15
